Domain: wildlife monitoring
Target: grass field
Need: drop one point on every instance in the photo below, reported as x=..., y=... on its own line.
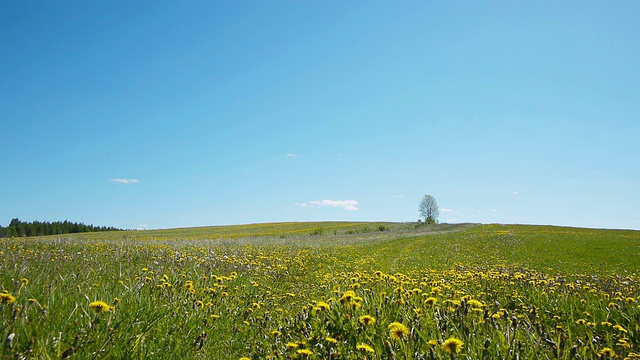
x=332, y=290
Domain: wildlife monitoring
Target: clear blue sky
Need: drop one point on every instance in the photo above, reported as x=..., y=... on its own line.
x=158, y=114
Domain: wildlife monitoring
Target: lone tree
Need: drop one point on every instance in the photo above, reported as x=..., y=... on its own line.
x=429, y=209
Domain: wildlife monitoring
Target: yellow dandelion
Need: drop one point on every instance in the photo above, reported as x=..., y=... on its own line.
x=367, y=320
x=24, y=281
x=365, y=348
x=321, y=305
x=624, y=343
x=452, y=345
x=430, y=301
x=305, y=352
x=100, y=306
x=433, y=343
x=331, y=340
x=292, y=345
x=608, y=352
x=276, y=333
x=398, y=331
x=347, y=297
x=620, y=328
x=6, y=298
x=245, y=358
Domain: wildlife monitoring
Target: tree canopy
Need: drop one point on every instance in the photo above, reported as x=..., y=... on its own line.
x=428, y=209
x=38, y=228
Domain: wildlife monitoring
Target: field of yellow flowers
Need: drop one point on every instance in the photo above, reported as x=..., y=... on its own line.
x=323, y=291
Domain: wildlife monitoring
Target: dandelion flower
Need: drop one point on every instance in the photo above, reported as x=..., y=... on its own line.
x=347, y=297
x=100, y=306
x=398, y=331
x=331, y=340
x=24, y=281
x=608, y=352
x=624, y=343
x=7, y=298
x=276, y=333
x=321, y=305
x=367, y=320
x=430, y=301
x=305, y=352
x=452, y=345
x=365, y=348
x=292, y=345
x=620, y=328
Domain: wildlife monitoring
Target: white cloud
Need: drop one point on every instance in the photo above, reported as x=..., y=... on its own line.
x=143, y=227
x=448, y=210
x=125, y=181
x=350, y=205
x=515, y=193
x=292, y=155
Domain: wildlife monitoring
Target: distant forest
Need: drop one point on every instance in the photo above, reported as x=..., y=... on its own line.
x=37, y=228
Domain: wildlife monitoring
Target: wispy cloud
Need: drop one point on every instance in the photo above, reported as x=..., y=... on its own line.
x=351, y=205
x=125, y=181
x=448, y=210
x=515, y=193
x=290, y=155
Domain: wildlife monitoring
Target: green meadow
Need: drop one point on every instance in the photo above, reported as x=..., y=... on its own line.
x=324, y=290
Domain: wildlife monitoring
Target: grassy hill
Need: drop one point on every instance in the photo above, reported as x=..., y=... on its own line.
x=406, y=246
x=309, y=290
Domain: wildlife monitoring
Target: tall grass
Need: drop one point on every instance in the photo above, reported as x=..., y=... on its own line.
x=277, y=291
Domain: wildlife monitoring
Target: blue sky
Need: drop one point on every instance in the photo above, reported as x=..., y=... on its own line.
x=160, y=114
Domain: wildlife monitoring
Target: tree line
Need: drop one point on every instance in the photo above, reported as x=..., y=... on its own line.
x=38, y=228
